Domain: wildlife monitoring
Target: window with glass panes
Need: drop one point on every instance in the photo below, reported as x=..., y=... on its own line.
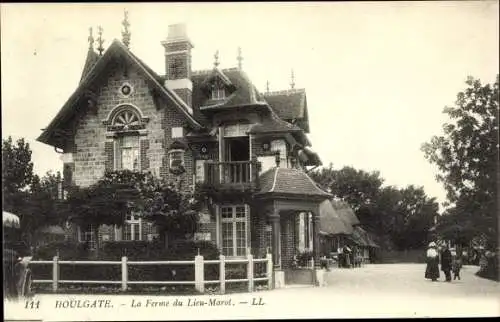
x=132, y=230
x=127, y=156
x=234, y=230
x=218, y=93
x=86, y=234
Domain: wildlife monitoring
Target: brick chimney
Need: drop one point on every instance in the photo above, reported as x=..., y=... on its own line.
x=178, y=62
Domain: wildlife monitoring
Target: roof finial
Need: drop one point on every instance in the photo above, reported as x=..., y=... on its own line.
x=91, y=39
x=216, y=59
x=239, y=58
x=292, y=83
x=126, y=33
x=100, y=41
x=267, y=86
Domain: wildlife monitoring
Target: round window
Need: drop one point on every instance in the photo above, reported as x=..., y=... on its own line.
x=126, y=89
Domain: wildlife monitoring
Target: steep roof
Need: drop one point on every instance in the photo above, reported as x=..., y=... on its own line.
x=289, y=182
x=273, y=124
x=330, y=221
x=290, y=105
x=346, y=213
x=90, y=61
x=245, y=93
x=116, y=49
x=362, y=238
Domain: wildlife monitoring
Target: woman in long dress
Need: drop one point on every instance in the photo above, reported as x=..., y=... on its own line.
x=432, y=257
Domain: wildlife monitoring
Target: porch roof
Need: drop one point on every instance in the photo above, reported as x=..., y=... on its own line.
x=289, y=182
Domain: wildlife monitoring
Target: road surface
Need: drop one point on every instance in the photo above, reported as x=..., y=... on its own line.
x=392, y=290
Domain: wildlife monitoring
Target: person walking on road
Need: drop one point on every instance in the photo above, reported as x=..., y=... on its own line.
x=446, y=260
x=456, y=264
x=432, y=269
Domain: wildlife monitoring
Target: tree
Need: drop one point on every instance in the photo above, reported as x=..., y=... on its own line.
x=41, y=204
x=33, y=198
x=466, y=156
x=17, y=168
x=121, y=192
x=416, y=215
x=357, y=187
x=401, y=218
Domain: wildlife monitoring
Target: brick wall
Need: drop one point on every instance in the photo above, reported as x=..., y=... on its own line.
x=93, y=152
x=287, y=240
x=93, y=149
x=259, y=241
x=182, y=66
x=186, y=95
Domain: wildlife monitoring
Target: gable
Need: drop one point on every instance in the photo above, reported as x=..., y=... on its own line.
x=85, y=94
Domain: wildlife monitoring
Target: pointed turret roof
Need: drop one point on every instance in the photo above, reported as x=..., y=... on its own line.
x=92, y=58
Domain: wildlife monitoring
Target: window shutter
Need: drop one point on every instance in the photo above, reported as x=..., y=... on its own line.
x=144, y=146
x=109, y=148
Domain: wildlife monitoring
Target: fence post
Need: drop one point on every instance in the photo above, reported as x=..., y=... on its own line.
x=55, y=273
x=199, y=273
x=124, y=273
x=269, y=271
x=222, y=273
x=250, y=272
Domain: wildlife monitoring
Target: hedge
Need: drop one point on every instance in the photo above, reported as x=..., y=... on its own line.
x=135, y=251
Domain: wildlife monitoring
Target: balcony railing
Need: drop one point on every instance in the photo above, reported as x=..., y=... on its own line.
x=232, y=174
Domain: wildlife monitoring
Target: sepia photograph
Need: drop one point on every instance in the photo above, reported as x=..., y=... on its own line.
x=253, y=160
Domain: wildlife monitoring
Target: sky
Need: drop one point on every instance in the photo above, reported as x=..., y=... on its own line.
x=377, y=74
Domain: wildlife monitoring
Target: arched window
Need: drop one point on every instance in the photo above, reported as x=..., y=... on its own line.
x=126, y=119
x=125, y=124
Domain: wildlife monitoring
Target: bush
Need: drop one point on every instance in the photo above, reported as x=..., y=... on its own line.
x=490, y=270
x=135, y=251
x=304, y=257
x=66, y=250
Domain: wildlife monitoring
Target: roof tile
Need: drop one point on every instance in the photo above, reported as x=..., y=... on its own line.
x=289, y=181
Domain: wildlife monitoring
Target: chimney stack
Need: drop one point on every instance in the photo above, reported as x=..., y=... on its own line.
x=178, y=62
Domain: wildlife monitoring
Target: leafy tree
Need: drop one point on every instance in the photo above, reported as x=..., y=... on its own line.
x=400, y=218
x=466, y=156
x=357, y=187
x=121, y=192
x=416, y=214
x=41, y=203
x=24, y=193
x=17, y=167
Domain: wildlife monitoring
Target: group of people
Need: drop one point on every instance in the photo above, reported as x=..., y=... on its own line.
x=450, y=262
x=349, y=258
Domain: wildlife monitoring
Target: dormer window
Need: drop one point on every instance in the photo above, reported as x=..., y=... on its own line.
x=218, y=93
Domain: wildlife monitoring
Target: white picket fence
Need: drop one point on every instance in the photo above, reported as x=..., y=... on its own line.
x=199, y=272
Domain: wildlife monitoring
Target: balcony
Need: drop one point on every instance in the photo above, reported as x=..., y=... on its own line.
x=240, y=175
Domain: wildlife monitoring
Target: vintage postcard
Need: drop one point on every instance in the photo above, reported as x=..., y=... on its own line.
x=292, y=160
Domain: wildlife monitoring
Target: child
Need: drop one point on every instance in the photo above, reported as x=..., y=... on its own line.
x=456, y=265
